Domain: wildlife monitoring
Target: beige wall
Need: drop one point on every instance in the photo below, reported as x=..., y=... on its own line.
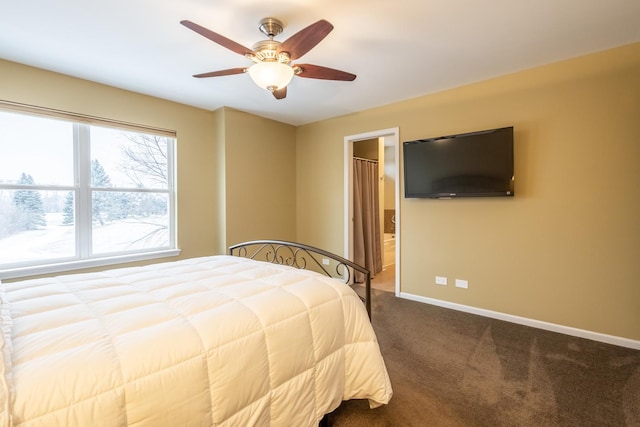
x=260, y=186
x=366, y=149
x=563, y=250
x=390, y=171
x=219, y=182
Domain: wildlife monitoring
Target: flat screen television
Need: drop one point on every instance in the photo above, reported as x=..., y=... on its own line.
x=475, y=164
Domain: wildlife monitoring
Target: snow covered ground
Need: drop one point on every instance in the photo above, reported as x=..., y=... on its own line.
x=58, y=241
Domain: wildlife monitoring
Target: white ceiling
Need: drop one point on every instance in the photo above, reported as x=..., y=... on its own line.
x=398, y=50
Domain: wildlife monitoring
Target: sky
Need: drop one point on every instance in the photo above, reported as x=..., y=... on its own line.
x=45, y=145
x=43, y=148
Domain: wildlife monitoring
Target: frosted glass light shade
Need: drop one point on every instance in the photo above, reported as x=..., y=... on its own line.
x=271, y=75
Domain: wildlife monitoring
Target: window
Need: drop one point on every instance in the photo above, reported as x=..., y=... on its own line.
x=77, y=194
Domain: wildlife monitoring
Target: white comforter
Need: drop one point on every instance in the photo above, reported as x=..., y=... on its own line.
x=199, y=342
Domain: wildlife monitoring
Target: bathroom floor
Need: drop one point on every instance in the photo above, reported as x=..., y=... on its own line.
x=385, y=280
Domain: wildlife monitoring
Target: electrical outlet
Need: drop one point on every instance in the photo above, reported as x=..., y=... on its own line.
x=325, y=261
x=441, y=280
x=462, y=284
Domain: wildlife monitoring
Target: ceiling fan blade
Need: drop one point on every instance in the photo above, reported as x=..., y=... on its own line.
x=317, y=72
x=217, y=38
x=305, y=40
x=219, y=73
x=280, y=93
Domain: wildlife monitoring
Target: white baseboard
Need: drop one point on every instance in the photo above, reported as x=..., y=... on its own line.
x=567, y=330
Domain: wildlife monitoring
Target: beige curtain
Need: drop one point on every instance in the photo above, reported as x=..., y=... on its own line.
x=366, y=216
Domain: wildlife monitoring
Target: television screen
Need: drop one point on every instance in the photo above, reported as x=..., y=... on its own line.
x=476, y=164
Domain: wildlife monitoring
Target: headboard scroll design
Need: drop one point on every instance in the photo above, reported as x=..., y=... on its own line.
x=307, y=257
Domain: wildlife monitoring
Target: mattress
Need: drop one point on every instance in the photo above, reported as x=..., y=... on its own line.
x=207, y=341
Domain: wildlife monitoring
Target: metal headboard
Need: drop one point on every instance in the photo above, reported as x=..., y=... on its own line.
x=307, y=257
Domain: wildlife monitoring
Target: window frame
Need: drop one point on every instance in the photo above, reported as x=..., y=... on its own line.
x=83, y=191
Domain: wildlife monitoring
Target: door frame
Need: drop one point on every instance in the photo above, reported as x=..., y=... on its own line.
x=391, y=136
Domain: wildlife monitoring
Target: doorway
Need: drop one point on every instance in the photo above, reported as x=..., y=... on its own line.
x=388, y=158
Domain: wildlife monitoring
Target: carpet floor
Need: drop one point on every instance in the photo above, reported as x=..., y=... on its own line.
x=450, y=368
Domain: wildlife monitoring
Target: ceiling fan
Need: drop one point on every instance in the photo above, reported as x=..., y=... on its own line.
x=272, y=68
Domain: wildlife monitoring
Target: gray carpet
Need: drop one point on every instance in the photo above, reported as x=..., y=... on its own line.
x=449, y=368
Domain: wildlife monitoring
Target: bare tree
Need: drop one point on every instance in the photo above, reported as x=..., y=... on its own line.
x=146, y=166
x=146, y=159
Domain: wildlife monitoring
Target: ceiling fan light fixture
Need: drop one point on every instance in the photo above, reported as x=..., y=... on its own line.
x=271, y=75
x=272, y=69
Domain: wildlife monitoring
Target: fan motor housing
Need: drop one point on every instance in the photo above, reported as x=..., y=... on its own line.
x=267, y=50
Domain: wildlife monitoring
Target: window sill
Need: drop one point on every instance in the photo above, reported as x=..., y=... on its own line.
x=61, y=267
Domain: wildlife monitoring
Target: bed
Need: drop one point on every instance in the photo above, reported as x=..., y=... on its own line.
x=260, y=336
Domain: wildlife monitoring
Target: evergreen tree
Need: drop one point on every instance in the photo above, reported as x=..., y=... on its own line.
x=68, y=210
x=120, y=206
x=101, y=202
x=29, y=204
x=99, y=178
